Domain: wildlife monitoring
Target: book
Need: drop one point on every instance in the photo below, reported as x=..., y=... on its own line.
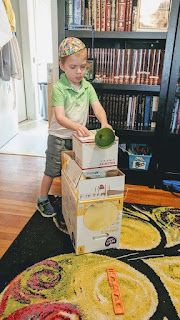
x=90, y=12
x=93, y=6
x=120, y=15
x=113, y=14
x=79, y=27
x=103, y=15
x=98, y=15
x=147, y=111
x=139, y=66
x=121, y=69
x=154, y=110
x=77, y=12
x=134, y=63
x=108, y=15
x=157, y=67
x=69, y=18
x=128, y=57
x=153, y=15
x=83, y=12
x=178, y=119
x=152, y=66
x=174, y=116
x=128, y=18
x=147, y=71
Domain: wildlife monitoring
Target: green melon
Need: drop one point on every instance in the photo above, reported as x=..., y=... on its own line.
x=104, y=137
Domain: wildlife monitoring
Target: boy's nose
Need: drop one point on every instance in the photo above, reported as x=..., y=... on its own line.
x=79, y=70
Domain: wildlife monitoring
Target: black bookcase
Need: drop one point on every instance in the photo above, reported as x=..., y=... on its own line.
x=160, y=140
x=169, y=141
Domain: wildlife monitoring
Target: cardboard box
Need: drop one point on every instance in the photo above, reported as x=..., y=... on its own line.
x=92, y=203
x=88, y=155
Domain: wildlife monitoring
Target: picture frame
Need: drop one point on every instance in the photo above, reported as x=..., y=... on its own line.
x=90, y=69
x=153, y=15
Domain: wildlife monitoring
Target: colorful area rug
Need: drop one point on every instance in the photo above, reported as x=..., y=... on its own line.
x=42, y=278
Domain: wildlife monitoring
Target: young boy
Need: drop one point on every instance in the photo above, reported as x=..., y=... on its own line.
x=71, y=98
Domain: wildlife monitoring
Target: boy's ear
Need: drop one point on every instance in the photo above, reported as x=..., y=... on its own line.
x=61, y=66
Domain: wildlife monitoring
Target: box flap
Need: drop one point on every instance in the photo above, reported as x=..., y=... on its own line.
x=90, y=138
x=72, y=170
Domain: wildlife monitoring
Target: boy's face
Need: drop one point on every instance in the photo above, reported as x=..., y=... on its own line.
x=74, y=67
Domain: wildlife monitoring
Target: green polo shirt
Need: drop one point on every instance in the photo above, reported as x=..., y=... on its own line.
x=75, y=103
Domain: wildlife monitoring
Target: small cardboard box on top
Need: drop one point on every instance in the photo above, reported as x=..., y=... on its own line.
x=92, y=203
x=88, y=155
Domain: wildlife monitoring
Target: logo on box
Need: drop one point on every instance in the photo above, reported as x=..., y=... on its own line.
x=109, y=241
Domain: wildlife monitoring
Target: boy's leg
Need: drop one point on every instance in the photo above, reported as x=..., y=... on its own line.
x=46, y=185
x=43, y=204
x=52, y=169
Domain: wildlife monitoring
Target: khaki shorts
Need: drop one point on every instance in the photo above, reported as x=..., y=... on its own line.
x=53, y=155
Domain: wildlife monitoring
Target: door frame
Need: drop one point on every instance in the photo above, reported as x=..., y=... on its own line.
x=28, y=43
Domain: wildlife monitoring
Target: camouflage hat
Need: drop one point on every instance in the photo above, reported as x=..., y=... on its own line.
x=70, y=46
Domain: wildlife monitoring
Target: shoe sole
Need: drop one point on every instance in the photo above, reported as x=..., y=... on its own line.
x=45, y=215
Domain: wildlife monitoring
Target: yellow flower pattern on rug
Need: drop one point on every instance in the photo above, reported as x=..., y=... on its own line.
x=168, y=270
x=139, y=227
x=70, y=287
x=81, y=284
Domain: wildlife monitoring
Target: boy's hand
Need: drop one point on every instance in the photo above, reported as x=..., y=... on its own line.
x=106, y=125
x=82, y=131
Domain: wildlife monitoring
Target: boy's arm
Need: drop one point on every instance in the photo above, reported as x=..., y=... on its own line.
x=81, y=130
x=100, y=114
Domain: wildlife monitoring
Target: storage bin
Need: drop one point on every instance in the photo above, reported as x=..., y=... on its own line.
x=139, y=162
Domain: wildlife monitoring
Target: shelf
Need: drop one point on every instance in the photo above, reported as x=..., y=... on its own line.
x=127, y=133
x=135, y=133
x=116, y=35
x=135, y=172
x=171, y=175
x=173, y=136
x=139, y=177
x=126, y=87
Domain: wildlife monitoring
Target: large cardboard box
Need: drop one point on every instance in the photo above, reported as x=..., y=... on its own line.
x=88, y=155
x=92, y=203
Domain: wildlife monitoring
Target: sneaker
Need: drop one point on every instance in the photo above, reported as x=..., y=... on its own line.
x=46, y=209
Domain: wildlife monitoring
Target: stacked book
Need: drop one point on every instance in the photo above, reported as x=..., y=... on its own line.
x=124, y=111
x=128, y=66
x=117, y=15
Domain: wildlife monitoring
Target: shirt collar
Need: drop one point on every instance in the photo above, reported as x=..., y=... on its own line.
x=67, y=84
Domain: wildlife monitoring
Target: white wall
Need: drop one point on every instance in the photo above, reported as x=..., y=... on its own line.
x=43, y=37
x=54, y=30
x=26, y=35
x=20, y=91
x=39, y=32
x=8, y=111
x=26, y=11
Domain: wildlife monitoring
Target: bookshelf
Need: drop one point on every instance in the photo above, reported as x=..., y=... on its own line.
x=169, y=159
x=128, y=87
x=118, y=35
x=155, y=138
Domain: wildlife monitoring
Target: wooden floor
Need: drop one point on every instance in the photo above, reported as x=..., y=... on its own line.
x=20, y=178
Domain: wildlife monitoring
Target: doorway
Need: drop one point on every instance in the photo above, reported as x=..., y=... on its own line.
x=36, y=22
